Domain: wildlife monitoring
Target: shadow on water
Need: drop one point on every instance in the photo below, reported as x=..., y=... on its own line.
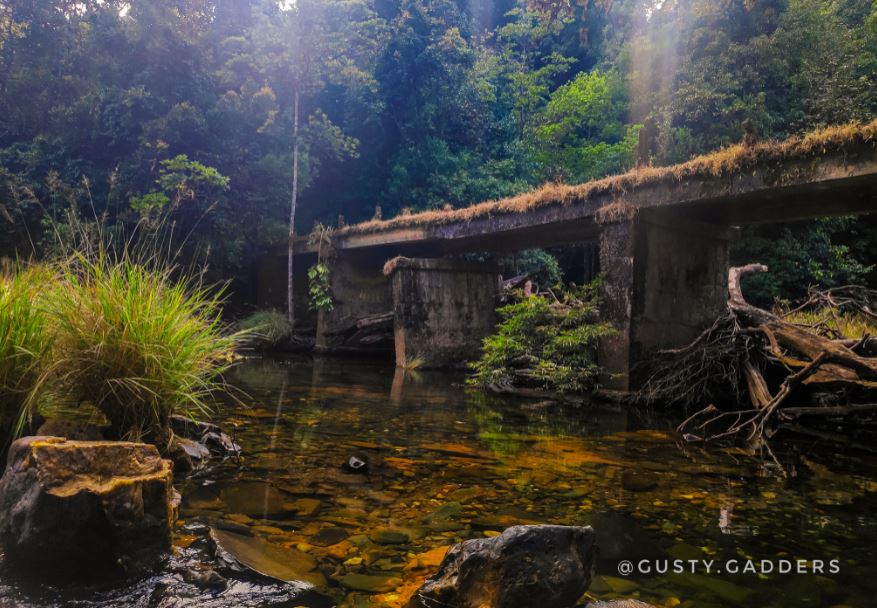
x=445, y=464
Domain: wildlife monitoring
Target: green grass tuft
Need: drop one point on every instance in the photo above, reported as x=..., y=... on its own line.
x=134, y=342
x=25, y=339
x=128, y=339
x=835, y=324
x=267, y=328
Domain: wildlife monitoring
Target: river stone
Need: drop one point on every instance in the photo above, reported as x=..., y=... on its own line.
x=205, y=433
x=253, y=498
x=266, y=558
x=186, y=454
x=304, y=507
x=327, y=537
x=370, y=583
x=85, y=506
x=639, y=481
x=389, y=537
x=524, y=566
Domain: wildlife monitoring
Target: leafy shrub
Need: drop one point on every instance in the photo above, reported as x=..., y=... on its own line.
x=544, y=342
x=828, y=252
x=134, y=342
x=25, y=339
x=319, y=287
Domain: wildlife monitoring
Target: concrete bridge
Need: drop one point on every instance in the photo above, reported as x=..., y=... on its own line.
x=663, y=237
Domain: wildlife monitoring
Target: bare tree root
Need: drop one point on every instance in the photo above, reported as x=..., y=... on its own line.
x=736, y=352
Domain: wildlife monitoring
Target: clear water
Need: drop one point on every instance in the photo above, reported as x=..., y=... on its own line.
x=447, y=464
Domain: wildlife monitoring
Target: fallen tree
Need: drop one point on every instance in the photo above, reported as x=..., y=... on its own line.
x=772, y=364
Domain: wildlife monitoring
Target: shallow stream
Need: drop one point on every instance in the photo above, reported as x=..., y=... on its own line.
x=445, y=464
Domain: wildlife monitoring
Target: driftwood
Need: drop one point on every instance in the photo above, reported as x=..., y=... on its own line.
x=375, y=320
x=515, y=282
x=363, y=333
x=363, y=323
x=739, y=350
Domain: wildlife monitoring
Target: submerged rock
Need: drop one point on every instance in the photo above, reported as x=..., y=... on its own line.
x=639, y=481
x=254, y=498
x=389, y=537
x=327, y=537
x=85, y=506
x=524, y=566
x=305, y=507
x=239, y=552
x=370, y=583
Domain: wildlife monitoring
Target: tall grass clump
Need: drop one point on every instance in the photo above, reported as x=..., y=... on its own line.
x=135, y=342
x=25, y=339
x=267, y=329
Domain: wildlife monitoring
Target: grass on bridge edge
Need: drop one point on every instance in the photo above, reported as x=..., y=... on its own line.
x=726, y=160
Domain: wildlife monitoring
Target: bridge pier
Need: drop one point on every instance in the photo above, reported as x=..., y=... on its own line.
x=359, y=289
x=665, y=280
x=442, y=310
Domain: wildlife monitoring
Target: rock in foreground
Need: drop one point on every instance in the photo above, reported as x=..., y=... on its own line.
x=85, y=506
x=548, y=566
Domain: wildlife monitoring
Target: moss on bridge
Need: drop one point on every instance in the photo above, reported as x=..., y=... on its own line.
x=732, y=159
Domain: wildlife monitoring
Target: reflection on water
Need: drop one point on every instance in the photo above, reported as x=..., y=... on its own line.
x=446, y=464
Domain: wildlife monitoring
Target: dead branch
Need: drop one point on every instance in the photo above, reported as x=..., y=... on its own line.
x=749, y=349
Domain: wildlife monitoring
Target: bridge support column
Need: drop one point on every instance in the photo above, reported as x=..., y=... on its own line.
x=665, y=280
x=442, y=310
x=359, y=289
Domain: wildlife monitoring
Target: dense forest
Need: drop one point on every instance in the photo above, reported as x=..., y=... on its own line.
x=185, y=110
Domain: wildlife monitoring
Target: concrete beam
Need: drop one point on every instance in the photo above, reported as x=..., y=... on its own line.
x=834, y=184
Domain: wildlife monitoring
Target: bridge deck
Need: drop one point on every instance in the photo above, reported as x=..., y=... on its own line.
x=829, y=172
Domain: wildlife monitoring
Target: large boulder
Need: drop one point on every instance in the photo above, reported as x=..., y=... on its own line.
x=548, y=566
x=85, y=506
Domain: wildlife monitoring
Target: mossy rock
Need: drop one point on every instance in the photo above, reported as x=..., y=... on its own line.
x=86, y=506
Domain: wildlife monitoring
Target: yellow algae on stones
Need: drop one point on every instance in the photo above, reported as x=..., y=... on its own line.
x=370, y=583
x=86, y=505
x=455, y=449
x=561, y=454
x=427, y=559
x=403, y=464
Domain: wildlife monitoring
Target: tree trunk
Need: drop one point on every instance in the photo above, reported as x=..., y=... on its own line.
x=290, y=305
